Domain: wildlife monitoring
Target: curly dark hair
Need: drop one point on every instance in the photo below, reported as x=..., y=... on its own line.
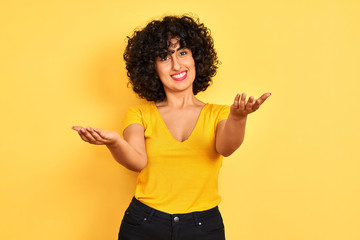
x=146, y=45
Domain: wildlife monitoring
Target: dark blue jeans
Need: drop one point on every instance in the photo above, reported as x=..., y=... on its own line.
x=141, y=222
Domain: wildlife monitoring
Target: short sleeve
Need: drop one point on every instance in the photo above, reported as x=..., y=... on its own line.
x=133, y=115
x=224, y=113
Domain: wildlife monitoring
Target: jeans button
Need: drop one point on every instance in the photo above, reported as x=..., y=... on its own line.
x=176, y=219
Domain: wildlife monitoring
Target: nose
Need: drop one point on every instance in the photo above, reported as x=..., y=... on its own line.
x=175, y=63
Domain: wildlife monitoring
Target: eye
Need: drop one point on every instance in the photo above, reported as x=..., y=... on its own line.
x=164, y=58
x=183, y=53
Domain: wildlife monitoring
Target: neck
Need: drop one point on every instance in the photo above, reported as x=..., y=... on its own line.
x=180, y=100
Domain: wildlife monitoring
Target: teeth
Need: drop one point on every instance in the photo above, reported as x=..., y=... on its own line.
x=179, y=75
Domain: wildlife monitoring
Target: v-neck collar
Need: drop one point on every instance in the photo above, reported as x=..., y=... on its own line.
x=167, y=129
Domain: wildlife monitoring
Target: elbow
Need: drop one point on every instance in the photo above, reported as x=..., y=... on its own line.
x=228, y=150
x=227, y=153
x=138, y=167
x=142, y=164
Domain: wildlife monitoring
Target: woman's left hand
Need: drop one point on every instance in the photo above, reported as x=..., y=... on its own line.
x=240, y=108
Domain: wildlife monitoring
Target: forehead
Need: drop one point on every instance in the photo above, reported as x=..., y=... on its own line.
x=173, y=43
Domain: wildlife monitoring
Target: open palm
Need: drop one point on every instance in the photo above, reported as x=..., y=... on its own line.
x=97, y=136
x=241, y=108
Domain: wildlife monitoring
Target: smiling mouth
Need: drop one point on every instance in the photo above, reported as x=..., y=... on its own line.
x=179, y=76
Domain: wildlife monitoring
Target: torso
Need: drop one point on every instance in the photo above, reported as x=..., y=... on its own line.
x=180, y=122
x=195, y=159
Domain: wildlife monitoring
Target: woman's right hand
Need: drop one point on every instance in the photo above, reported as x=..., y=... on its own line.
x=97, y=136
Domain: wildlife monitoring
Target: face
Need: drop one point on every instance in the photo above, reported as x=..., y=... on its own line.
x=176, y=70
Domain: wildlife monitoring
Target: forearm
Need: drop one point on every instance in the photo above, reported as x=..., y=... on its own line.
x=232, y=135
x=127, y=156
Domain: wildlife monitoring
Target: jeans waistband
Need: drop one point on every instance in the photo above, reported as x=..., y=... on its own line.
x=152, y=211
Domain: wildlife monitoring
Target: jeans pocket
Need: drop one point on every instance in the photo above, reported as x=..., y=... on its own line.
x=211, y=222
x=133, y=216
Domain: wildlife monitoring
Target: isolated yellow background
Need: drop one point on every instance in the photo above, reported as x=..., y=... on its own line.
x=296, y=176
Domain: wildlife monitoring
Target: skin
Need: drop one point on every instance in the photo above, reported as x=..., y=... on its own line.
x=179, y=94
x=179, y=111
x=180, y=60
x=230, y=133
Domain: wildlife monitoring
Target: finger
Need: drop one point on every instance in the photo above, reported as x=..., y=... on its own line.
x=250, y=103
x=88, y=135
x=101, y=133
x=264, y=97
x=236, y=101
x=81, y=134
x=76, y=128
x=261, y=99
x=242, y=101
x=95, y=135
x=83, y=137
x=256, y=105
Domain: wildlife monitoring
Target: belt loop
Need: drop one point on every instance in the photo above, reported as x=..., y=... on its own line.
x=195, y=219
x=151, y=214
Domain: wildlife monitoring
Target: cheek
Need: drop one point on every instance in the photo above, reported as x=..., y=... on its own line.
x=192, y=62
x=192, y=65
x=192, y=69
x=189, y=62
x=161, y=70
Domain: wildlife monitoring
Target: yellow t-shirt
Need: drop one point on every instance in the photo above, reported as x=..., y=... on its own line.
x=180, y=177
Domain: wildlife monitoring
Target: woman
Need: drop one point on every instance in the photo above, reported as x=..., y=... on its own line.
x=175, y=141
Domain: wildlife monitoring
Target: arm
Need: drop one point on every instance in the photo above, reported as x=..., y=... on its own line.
x=230, y=133
x=129, y=152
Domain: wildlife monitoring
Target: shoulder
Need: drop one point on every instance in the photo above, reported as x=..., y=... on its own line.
x=217, y=112
x=217, y=108
x=141, y=108
x=139, y=114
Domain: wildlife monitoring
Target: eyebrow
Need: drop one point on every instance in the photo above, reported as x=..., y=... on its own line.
x=178, y=49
